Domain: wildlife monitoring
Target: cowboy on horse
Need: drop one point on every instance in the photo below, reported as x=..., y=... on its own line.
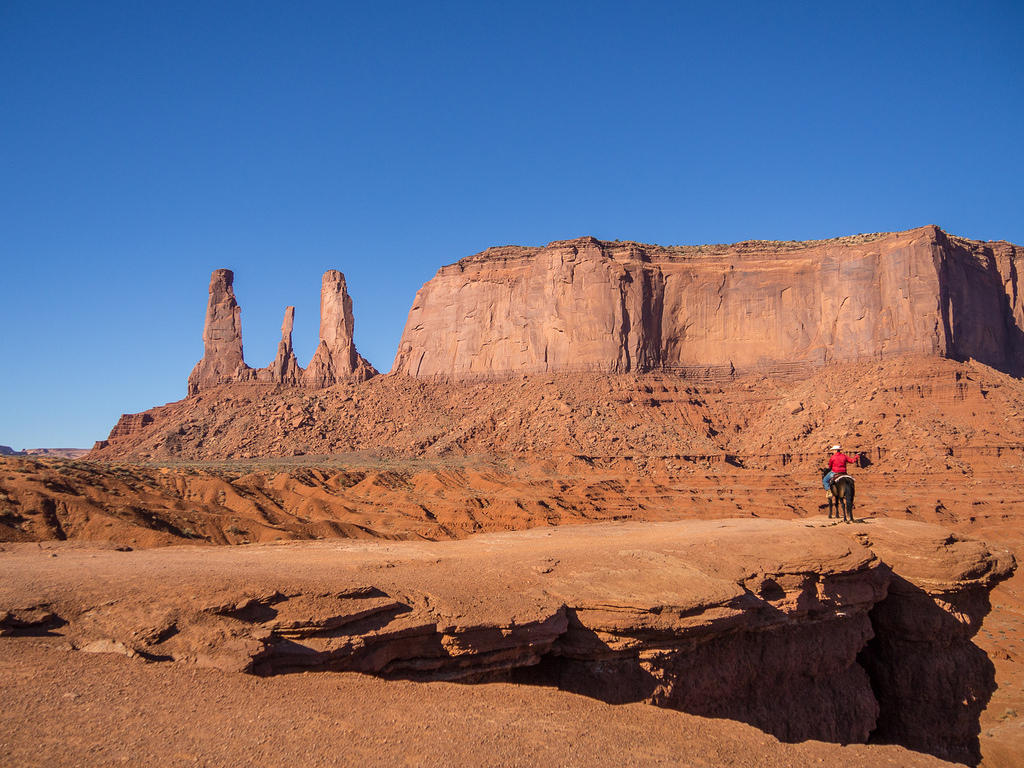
x=839, y=484
x=837, y=465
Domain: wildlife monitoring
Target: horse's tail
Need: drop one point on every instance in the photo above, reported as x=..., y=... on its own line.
x=852, y=488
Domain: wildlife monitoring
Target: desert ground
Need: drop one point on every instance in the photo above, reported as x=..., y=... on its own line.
x=141, y=655
x=86, y=655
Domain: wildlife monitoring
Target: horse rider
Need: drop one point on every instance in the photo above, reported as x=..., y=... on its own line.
x=837, y=465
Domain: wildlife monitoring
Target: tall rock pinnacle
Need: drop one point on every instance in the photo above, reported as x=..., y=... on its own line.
x=222, y=337
x=285, y=368
x=336, y=358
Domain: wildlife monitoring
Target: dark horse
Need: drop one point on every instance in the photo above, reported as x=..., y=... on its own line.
x=840, y=497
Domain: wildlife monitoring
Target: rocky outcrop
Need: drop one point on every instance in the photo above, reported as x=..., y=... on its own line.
x=932, y=682
x=335, y=358
x=590, y=305
x=129, y=424
x=223, y=362
x=775, y=623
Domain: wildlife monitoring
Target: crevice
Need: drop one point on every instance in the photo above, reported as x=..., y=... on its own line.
x=31, y=621
x=930, y=680
x=739, y=676
x=624, y=279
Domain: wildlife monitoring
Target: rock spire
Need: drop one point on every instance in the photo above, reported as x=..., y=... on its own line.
x=335, y=360
x=285, y=368
x=222, y=337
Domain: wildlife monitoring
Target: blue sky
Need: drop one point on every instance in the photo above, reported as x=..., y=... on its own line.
x=143, y=145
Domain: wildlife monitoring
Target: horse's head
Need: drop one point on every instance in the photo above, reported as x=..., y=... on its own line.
x=863, y=460
x=824, y=471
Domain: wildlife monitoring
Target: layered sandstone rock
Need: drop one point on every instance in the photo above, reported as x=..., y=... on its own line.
x=223, y=362
x=767, y=622
x=615, y=307
x=336, y=358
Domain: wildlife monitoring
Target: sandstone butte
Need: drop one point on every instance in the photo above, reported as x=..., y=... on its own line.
x=620, y=306
x=335, y=359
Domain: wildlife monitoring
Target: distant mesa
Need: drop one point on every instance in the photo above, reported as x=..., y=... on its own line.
x=616, y=307
x=61, y=453
x=335, y=359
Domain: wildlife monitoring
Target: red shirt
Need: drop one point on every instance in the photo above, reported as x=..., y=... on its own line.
x=839, y=460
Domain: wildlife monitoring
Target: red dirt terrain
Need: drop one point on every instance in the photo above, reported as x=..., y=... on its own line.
x=844, y=622
x=941, y=436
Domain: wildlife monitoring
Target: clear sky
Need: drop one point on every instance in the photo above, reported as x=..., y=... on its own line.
x=144, y=144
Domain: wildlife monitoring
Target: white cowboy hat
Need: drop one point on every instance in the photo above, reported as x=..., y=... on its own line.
x=834, y=448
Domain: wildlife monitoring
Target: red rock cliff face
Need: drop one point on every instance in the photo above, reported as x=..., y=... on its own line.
x=616, y=307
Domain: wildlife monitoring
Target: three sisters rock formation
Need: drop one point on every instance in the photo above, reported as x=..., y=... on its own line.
x=335, y=358
x=611, y=307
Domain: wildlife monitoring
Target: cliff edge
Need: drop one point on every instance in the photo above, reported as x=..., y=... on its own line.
x=801, y=629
